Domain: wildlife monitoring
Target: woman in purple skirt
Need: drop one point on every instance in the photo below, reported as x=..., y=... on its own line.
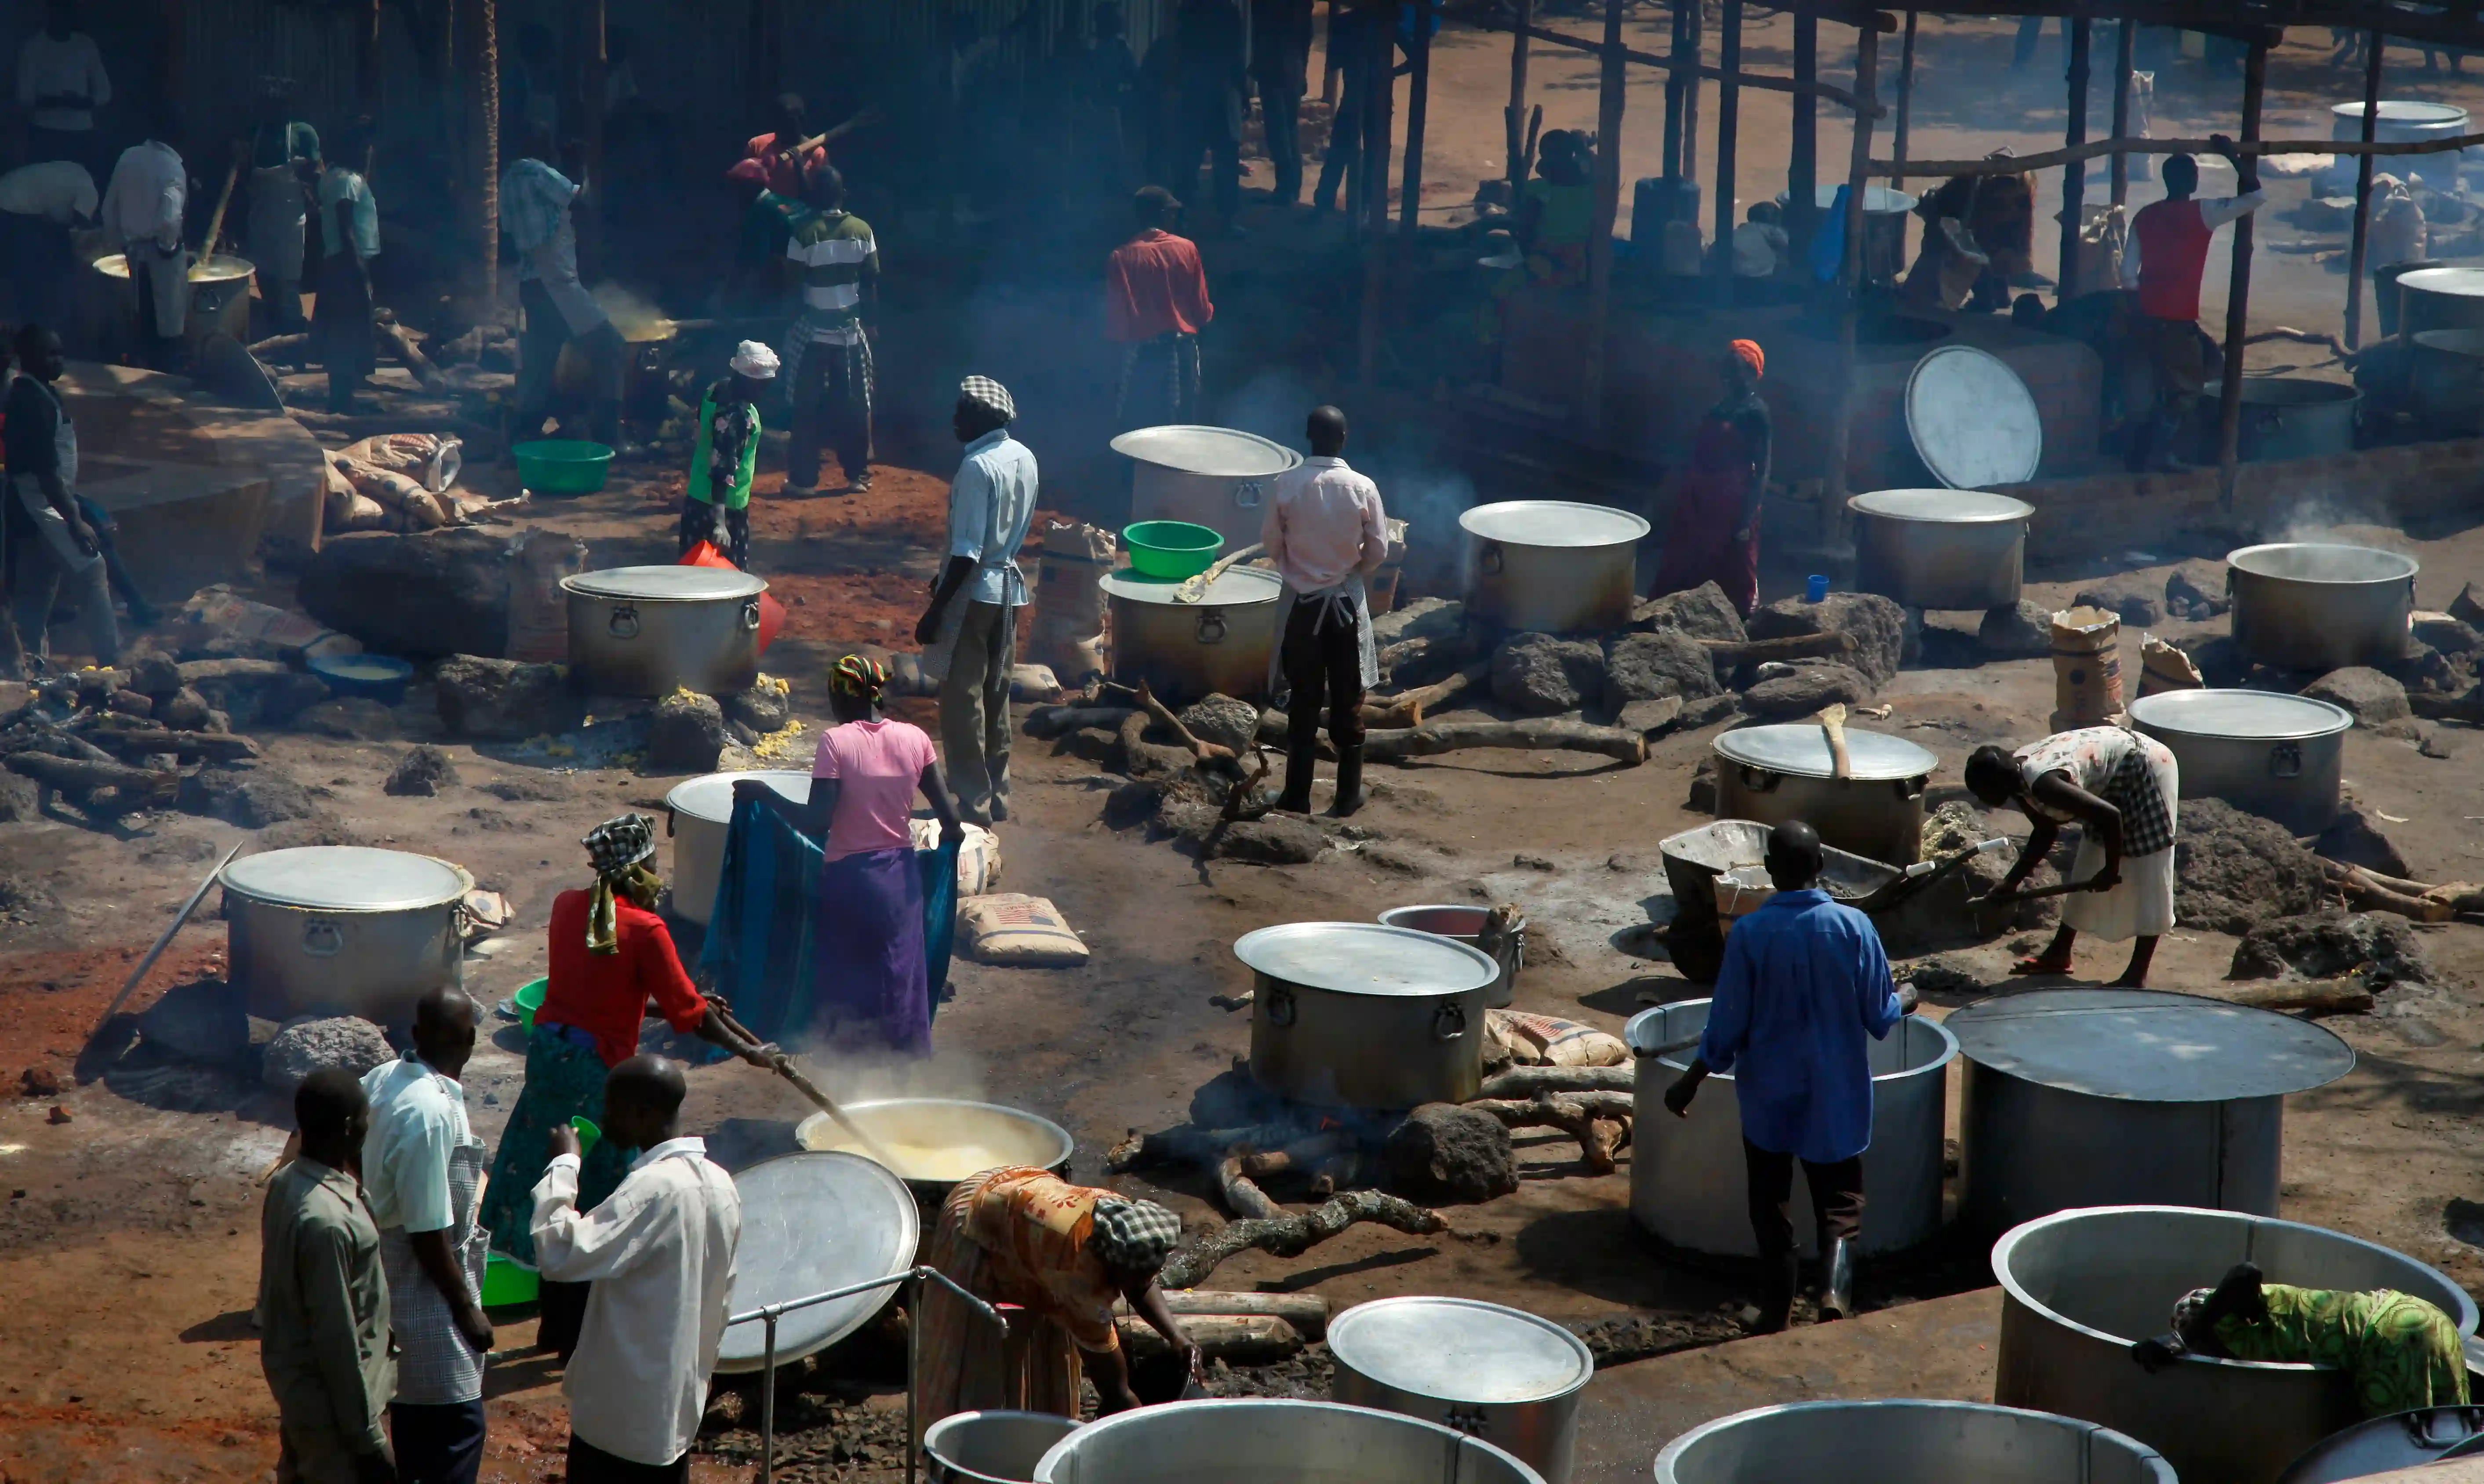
x=870, y=986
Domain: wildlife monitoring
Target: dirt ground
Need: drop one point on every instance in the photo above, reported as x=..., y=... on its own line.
x=126, y=1244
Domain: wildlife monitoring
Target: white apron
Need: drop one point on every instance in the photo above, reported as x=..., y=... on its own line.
x=936, y=655
x=165, y=273
x=278, y=222
x=1347, y=603
x=49, y=522
x=435, y=1366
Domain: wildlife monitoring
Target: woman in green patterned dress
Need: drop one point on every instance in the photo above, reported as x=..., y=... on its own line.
x=2402, y=1352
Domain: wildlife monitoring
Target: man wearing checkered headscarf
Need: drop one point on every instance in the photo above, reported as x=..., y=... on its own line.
x=970, y=629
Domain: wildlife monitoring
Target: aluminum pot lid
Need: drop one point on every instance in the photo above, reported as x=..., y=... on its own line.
x=2402, y=111
x=812, y=1222
x=2320, y=561
x=1219, y=453
x=1973, y=421
x=710, y=796
x=1942, y=507
x=1558, y=522
x=1460, y=1350
x=1366, y=958
x=663, y=583
x=1801, y=749
x=1233, y=588
x=345, y=879
x=2148, y=1045
x=2249, y=716
x=2458, y=282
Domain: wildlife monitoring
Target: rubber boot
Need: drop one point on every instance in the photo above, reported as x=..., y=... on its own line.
x=1778, y=1276
x=1302, y=756
x=1837, y=1282
x=1349, y=781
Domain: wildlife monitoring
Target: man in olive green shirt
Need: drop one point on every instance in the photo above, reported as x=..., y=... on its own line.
x=323, y=1304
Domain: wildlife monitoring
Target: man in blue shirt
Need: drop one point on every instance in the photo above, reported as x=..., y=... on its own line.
x=973, y=615
x=1804, y=981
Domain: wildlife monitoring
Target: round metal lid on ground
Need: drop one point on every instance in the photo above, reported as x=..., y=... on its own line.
x=1235, y=585
x=2402, y=112
x=2261, y=715
x=1366, y=958
x=2464, y=283
x=1551, y=523
x=345, y=879
x=2149, y=1045
x=1460, y=1350
x=1801, y=749
x=710, y=796
x=1946, y=508
x=810, y=1223
x=658, y=584
x=2323, y=561
x=1974, y=422
x=1219, y=453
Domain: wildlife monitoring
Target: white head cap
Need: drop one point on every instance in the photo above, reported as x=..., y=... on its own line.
x=755, y=361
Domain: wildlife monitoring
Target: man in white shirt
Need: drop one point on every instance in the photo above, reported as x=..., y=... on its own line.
x=349, y=230
x=975, y=600
x=423, y=1173
x=660, y=1253
x=61, y=83
x=1326, y=532
x=41, y=202
x=535, y=205
x=143, y=211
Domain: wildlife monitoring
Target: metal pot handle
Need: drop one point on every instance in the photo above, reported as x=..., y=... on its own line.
x=1758, y=780
x=1246, y=494
x=322, y=938
x=1912, y=789
x=2286, y=760
x=2461, y=1424
x=1469, y=1420
x=1211, y=628
x=623, y=623
x=1280, y=1005
x=1489, y=559
x=750, y=614
x=1449, y=1022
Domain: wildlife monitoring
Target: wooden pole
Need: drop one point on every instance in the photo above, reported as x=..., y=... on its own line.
x=2229, y=400
x=1610, y=93
x=1690, y=88
x=2125, y=56
x=1419, y=92
x=2356, y=258
x=1379, y=99
x=1515, y=125
x=1729, y=131
x=1330, y=67
x=478, y=41
x=1765, y=81
x=1858, y=174
x=2074, y=175
x=1906, y=116
x=591, y=114
x=368, y=76
x=1669, y=162
x=1802, y=173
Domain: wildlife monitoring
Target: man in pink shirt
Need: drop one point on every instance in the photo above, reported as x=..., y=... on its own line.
x=1326, y=532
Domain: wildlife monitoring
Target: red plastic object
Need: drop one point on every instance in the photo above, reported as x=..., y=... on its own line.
x=772, y=613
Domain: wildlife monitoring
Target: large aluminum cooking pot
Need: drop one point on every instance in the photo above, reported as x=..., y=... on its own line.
x=2309, y=606
x=1942, y=549
x=1258, y=1442
x=1551, y=566
x=1465, y=925
x=1687, y=1174
x=2385, y=1445
x=1906, y=1442
x=219, y=295
x=2441, y=299
x=702, y=814
x=2406, y=120
x=1216, y=477
x=1183, y=651
x=344, y=930
x=2078, y=1289
x=2297, y=417
x=992, y=1447
x=1490, y=1372
x=1356, y=1015
x=651, y=631
x=942, y=1141
x=2446, y=373
x=813, y=1221
x=1775, y=773
x=2273, y=754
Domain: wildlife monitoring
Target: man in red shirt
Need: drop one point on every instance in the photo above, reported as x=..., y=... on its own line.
x=2171, y=359
x=1155, y=304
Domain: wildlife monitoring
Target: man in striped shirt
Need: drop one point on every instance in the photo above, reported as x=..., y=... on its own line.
x=827, y=356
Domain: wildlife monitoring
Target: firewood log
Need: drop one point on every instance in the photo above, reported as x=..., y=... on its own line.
x=77, y=775
x=399, y=343
x=2371, y=895
x=1045, y=722
x=1300, y=1153
x=1533, y=736
x=1189, y=1144
x=1236, y=1340
x=1307, y=1312
x=2316, y=997
x=1599, y=1122
x=1529, y=1081
x=1291, y=1236
x=1245, y=1200
x=1342, y=1169
x=142, y=741
x=1799, y=646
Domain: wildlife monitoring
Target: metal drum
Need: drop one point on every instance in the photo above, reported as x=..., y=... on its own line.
x=2077, y=1097
x=1906, y=1442
x=2297, y=417
x=2319, y=607
x=1942, y=549
x=1359, y=1015
x=992, y=1447
x=1216, y=477
x=1973, y=421
x=1775, y=773
x=651, y=631
x=1274, y=1442
x=811, y=1223
x=1687, y=1174
x=2405, y=1440
x=1551, y=566
x=1490, y=1372
x=1220, y=645
x=2079, y=1288
x=2405, y=121
x=1465, y=925
x=344, y=930
x=2276, y=755
x=2441, y=299
x=702, y=814
x=2445, y=372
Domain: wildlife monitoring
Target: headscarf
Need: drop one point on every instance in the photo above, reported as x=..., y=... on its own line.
x=860, y=675
x=2188, y=1309
x=1133, y=1236
x=985, y=392
x=1752, y=356
x=618, y=849
x=755, y=361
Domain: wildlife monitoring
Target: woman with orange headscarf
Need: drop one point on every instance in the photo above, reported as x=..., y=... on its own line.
x=1715, y=536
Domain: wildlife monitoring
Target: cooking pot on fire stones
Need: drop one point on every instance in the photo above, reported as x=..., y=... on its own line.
x=650, y=631
x=1551, y=566
x=1359, y=1015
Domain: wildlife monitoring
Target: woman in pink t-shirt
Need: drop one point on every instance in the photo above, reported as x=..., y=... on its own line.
x=869, y=982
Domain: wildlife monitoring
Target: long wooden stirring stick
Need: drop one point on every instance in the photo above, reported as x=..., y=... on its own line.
x=803, y=1085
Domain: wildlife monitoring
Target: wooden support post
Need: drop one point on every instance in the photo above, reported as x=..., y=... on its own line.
x=2229, y=400
x=2356, y=260
x=1419, y=91
x=1669, y=162
x=478, y=44
x=1516, y=124
x=1379, y=101
x=368, y=74
x=1858, y=176
x=173, y=59
x=1906, y=115
x=1729, y=130
x=1610, y=93
x=1331, y=67
x=596, y=63
x=2125, y=56
x=2074, y=175
x=1691, y=91
x=1802, y=170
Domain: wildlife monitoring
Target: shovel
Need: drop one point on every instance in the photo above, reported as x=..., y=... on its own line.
x=2058, y=889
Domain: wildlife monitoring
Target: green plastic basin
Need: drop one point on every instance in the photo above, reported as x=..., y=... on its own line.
x=528, y=999
x=563, y=465
x=508, y=1282
x=1170, y=548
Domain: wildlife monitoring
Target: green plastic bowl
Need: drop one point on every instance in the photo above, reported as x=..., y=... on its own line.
x=508, y=1282
x=1172, y=549
x=588, y=1135
x=528, y=999
x=563, y=465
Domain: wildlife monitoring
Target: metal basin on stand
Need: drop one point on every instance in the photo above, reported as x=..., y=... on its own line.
x=1687, y=1174
x=1906, y=1442
x=1942, y=549
x=2080, y=1287
x=1274, y=1442
x=813, y=1221
x=2319, y=607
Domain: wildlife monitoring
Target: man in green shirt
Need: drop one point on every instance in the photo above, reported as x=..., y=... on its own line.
x=715, y=506
x=827, y=356
x=323, y=1301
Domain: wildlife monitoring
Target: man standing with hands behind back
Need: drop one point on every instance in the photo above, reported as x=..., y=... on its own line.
x=1326, y=531
x=1803, y=981
x=976, y=598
